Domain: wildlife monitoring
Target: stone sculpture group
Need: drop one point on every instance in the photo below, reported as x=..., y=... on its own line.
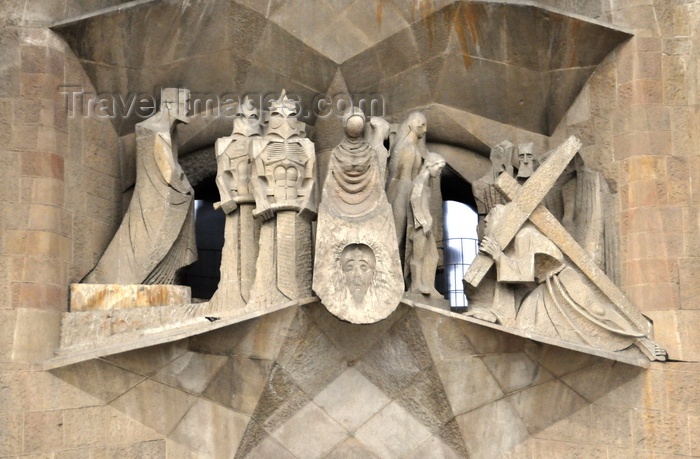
x=375, y=241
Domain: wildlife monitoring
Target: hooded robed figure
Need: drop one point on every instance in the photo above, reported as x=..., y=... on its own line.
x=357, y=271
x=156, y=237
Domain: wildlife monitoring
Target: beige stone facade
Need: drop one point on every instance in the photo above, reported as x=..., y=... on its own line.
x=298, y=382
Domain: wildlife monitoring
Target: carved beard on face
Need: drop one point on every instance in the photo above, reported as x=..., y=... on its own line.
x=358, y=262
x=525, y=170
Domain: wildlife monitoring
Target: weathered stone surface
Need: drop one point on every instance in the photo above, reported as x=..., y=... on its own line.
x=504, y=431
x=309, y=433
x=269, y=448
x=89, y=297
x=10, y=434
x=352, y=340
x=210, y=430
x=84, y=427
x=558, y=361
x=265, y=337
x=191, y=372
x=44, y=431
x=427, y=401
x=552, y=449
x=447, y=339
x=515, y=371
x=394, y=361
x=351, y=400
x=433, y=447
x=351, y=448
x=29, y=324
x=239, y=383
x=155, y=449
x=119, y=428
x=146, y=362
x=156, y=405
x=468, y=384
x=554, y=401
x=280, y=400
x=310, y=358
x=665, y=432
x=91, y=381
x=393, y=432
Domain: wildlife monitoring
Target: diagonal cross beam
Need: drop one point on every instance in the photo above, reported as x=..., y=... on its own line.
x=523, y=204
x=550, y=227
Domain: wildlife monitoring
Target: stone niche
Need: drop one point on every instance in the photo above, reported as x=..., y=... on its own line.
x=266, y=367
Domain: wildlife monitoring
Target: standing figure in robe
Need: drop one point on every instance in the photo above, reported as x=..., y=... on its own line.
x=156, y=237
x=233, y=157
x=421, y=247
x=357, y=271
x=284, y=171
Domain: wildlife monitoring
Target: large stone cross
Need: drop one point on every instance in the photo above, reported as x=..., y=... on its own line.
x=525, y=204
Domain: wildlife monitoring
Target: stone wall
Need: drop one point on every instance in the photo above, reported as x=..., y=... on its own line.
x=639, y=118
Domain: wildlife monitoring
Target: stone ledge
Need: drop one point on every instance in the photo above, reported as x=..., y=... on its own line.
x=629, y=356
x=202, y=319
x=100, y=297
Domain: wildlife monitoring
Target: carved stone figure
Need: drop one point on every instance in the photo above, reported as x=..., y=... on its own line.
x=357, y=271
x=421, y=247
x=484, y=190
x=527, y=162
x=233, y=179
x=562, y=305
x=358, y=264
x=156, y=236
x=283, y=186
x=376, y=132
x=405, y=160
x=573, y=301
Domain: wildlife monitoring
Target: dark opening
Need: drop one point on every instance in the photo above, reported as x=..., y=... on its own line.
x=203, y=275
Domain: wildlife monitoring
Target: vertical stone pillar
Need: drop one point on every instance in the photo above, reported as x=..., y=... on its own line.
x=656, y=129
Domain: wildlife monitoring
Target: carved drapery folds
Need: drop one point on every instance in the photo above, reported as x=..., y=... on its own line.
x=546, y=283
x=375, y=243
x=156, y=236
x=357, y=272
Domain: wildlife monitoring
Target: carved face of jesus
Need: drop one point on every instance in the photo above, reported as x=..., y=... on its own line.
x=358, y=262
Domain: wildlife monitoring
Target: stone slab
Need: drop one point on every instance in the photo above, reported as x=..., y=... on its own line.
x=632, y=357
x=424, y=299
x=146, y=338
x=100, y=297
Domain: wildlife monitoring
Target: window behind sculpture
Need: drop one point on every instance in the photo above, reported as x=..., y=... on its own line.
x=203, y=275
x=460, y=245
